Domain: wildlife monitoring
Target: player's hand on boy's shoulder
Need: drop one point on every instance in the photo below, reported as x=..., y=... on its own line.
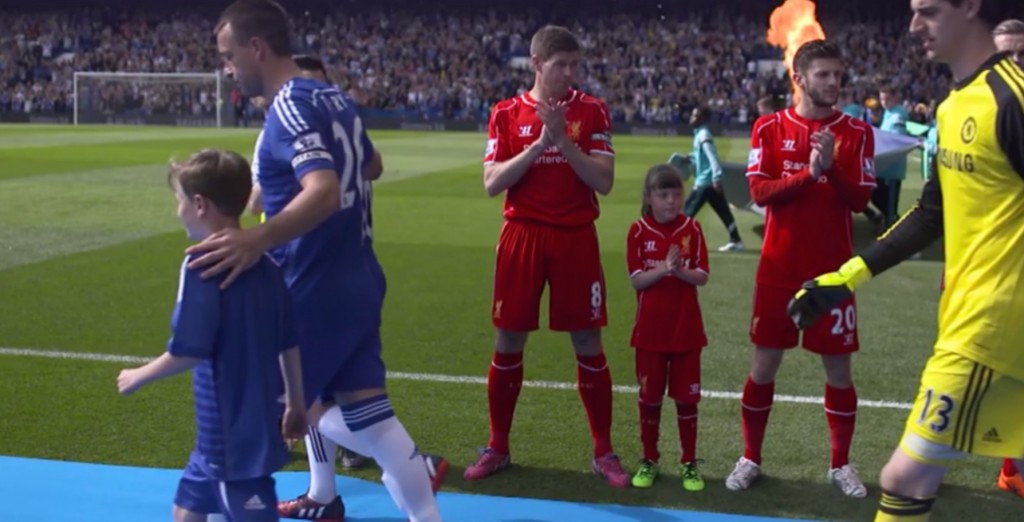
x=230, y=250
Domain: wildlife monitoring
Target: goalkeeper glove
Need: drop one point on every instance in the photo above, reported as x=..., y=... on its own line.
x=827, y=291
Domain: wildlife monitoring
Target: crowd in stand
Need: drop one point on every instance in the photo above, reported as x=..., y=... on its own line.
x=436, y=64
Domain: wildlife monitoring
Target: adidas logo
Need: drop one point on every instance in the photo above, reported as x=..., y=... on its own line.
x=312, y=513
x=254, y=504
x=991, y=436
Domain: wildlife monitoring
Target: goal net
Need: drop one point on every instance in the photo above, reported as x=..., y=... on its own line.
x=122, y=98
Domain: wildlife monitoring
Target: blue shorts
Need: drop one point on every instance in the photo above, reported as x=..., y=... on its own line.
x=349, y=365
x=252, y=500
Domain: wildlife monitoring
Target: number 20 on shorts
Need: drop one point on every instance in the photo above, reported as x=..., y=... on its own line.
x=844, y=320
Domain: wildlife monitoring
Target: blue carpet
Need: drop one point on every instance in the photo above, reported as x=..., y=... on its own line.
x=34, y=490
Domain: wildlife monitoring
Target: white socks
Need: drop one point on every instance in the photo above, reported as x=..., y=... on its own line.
x=373, y=423
x=322, y=453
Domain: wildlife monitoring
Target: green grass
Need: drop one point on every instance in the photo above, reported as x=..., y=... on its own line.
x=89, y=251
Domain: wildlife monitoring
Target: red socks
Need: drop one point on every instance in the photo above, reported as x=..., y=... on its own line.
x=650, y=422
x=595, y=386
x=686, y=417
x=504, y=380
x=841, y=412
x=1009, y=469
x=757, y=405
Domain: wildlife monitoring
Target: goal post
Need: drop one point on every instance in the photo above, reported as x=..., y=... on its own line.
x=143, y=98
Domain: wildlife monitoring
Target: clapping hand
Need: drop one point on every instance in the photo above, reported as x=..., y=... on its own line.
x=672, y=260
x=822, y=149
x=552, y=114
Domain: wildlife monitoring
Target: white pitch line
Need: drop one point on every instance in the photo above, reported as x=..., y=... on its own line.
x=452, y=379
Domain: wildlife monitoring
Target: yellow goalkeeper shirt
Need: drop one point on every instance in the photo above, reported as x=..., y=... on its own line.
x=980, y=164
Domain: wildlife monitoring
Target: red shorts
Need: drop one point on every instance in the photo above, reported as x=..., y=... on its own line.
x=680, y=371
x=771, y=327
x=531, y=255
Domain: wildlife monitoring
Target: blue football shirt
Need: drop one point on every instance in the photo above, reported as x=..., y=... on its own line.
x=238, y=333
x=332, y=271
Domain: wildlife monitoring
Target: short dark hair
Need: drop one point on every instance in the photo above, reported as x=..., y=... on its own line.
x=308, y=62
x=993, y=12
x=222, y=176
x=552, y=39
x=815, y=50
x=264, y=19
x=1009, y=27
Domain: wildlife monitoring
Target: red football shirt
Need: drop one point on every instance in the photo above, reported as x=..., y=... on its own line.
x=550, y=192
x=809, y=228
x=668, y=317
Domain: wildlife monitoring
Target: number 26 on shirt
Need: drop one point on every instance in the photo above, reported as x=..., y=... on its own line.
x=353, y=162
x=352, y=148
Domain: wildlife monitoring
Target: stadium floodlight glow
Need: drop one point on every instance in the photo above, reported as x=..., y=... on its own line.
x=142, y=98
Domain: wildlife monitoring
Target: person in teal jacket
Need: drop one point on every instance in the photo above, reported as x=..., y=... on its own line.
x=707, y=171
x=848, y=106
x=886, y=195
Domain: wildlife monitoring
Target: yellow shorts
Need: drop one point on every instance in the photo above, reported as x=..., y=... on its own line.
x=964, y=407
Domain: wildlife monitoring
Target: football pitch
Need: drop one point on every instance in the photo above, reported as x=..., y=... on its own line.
x=89, y=255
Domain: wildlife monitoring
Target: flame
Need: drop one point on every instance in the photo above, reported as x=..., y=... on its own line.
x=791, y=25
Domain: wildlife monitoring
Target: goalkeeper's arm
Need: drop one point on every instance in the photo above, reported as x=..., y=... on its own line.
x=917, y=229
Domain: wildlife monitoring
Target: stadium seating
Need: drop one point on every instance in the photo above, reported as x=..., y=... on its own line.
x=648, y=68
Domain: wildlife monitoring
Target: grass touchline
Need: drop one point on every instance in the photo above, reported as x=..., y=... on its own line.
x=455, y=379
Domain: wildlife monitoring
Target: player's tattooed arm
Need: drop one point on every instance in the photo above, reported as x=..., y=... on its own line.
x=319, y=198
x=918, y=228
